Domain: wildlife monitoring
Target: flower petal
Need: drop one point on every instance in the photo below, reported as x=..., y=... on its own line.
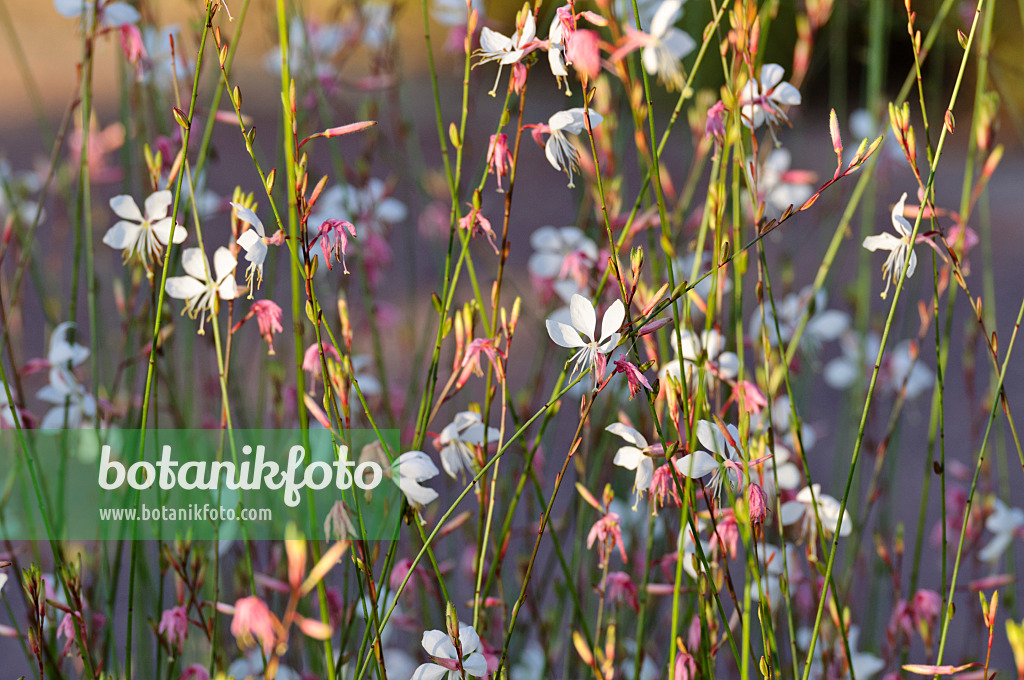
x=564, y=335
x=184, y=287
x=124, y=206
x=157, y=205
x=612, y=320
x=584, y=318
x=122, y=234
x=193, y=261
x=628, y=433
x=696, y=465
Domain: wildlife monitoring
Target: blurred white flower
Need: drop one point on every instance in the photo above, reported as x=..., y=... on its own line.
x=72, y=402
x=802, y=511
x=112, y=14
x=560, y=253
x=1005, y=522
x=823, y=325
x=694, y=351
x=666, y=45
x=782, y=187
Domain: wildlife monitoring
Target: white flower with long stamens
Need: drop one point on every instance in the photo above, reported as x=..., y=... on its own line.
x=411, y=468
x=898, y=247
x=1005, y=522
x=635, y=456
x=254, y=243
x=721, y=458
x=506, y=50
x=666, y=45
x=763, y=101
x=448, y=663
x=201, y=291
x=459, y=438
x=560, y=152
x=556, y=53
x=581, y=334
x=143, y=235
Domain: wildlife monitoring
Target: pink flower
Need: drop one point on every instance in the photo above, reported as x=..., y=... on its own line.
x=471, y=362
x=582, y=49
x=311, y=358
x=333, y=239
x=133, y=47
x=663, y=487
x=757, y=503
x=475, y=223
x=685, y=668
x=499, y=157
x=607, y=530
x=195, y=672
x=715, y=127
x=253, y=621
x=268, y=318
x=633, y=376
x=620, y=588
x=174, y=626
x=67, y=629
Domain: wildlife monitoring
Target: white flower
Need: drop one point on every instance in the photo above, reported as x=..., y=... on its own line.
x=857, y=356
x=506, y=50
x=824, y=325
x=143, y=235
x=1005, y=522
x=802, y=510
x=253, y=242
x=726, y=364
x=904, y=367
x=556, y=53
x=62, y=353
x=312, y=48
x=112, y=14
x=362, y=364
x=454, y=13
x=452, y=667
x=252, y=664
x=7, y=410
x=163, y=67
x=559, y=151
x=557, y=249
x=411, y=468
x=722, y=457
x=691, y=560
x=762, y=101
x=778, y=185
x=685, y=270
x=72, y=402
x=368, y=206
x=378, y=29
x=667, y=45
x=898, y=247
x=634, y=456
x=201, y=292
x=459, y=438
x=584, y=320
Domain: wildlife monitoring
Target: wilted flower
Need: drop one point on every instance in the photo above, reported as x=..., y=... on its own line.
x=268, y=318
x=607, y=533
x=499, y=158
x=174, y=626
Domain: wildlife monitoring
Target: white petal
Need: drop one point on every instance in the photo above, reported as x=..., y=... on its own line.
x=710, y=436
x=884, y=241
x=492, y=41
x=899, y=223
x=124, y=206
x=612, y=320
x=644, y=474
x=627, y=433
x=119, y=14
x=193, y=261
x=564, y=335
x=157, y=205
x=429, y=671
x=546, y=238
x=438, y=644
x=122, y=234
x=584, y=318
x=912, y=267
x=696, y=465
x=786, y=94
x=475, y=664
x=666, y=15
x=545, y=265
x=162, y=230
x=828, y=325
x=791, y=512
x=771, y=75
x=223, y=262
x=249, y=217
x=629, y=457
x=184, y=287
x=469, y=640
x=841, y=373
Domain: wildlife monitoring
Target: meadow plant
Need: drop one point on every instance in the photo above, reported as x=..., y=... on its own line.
x=689, y=335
